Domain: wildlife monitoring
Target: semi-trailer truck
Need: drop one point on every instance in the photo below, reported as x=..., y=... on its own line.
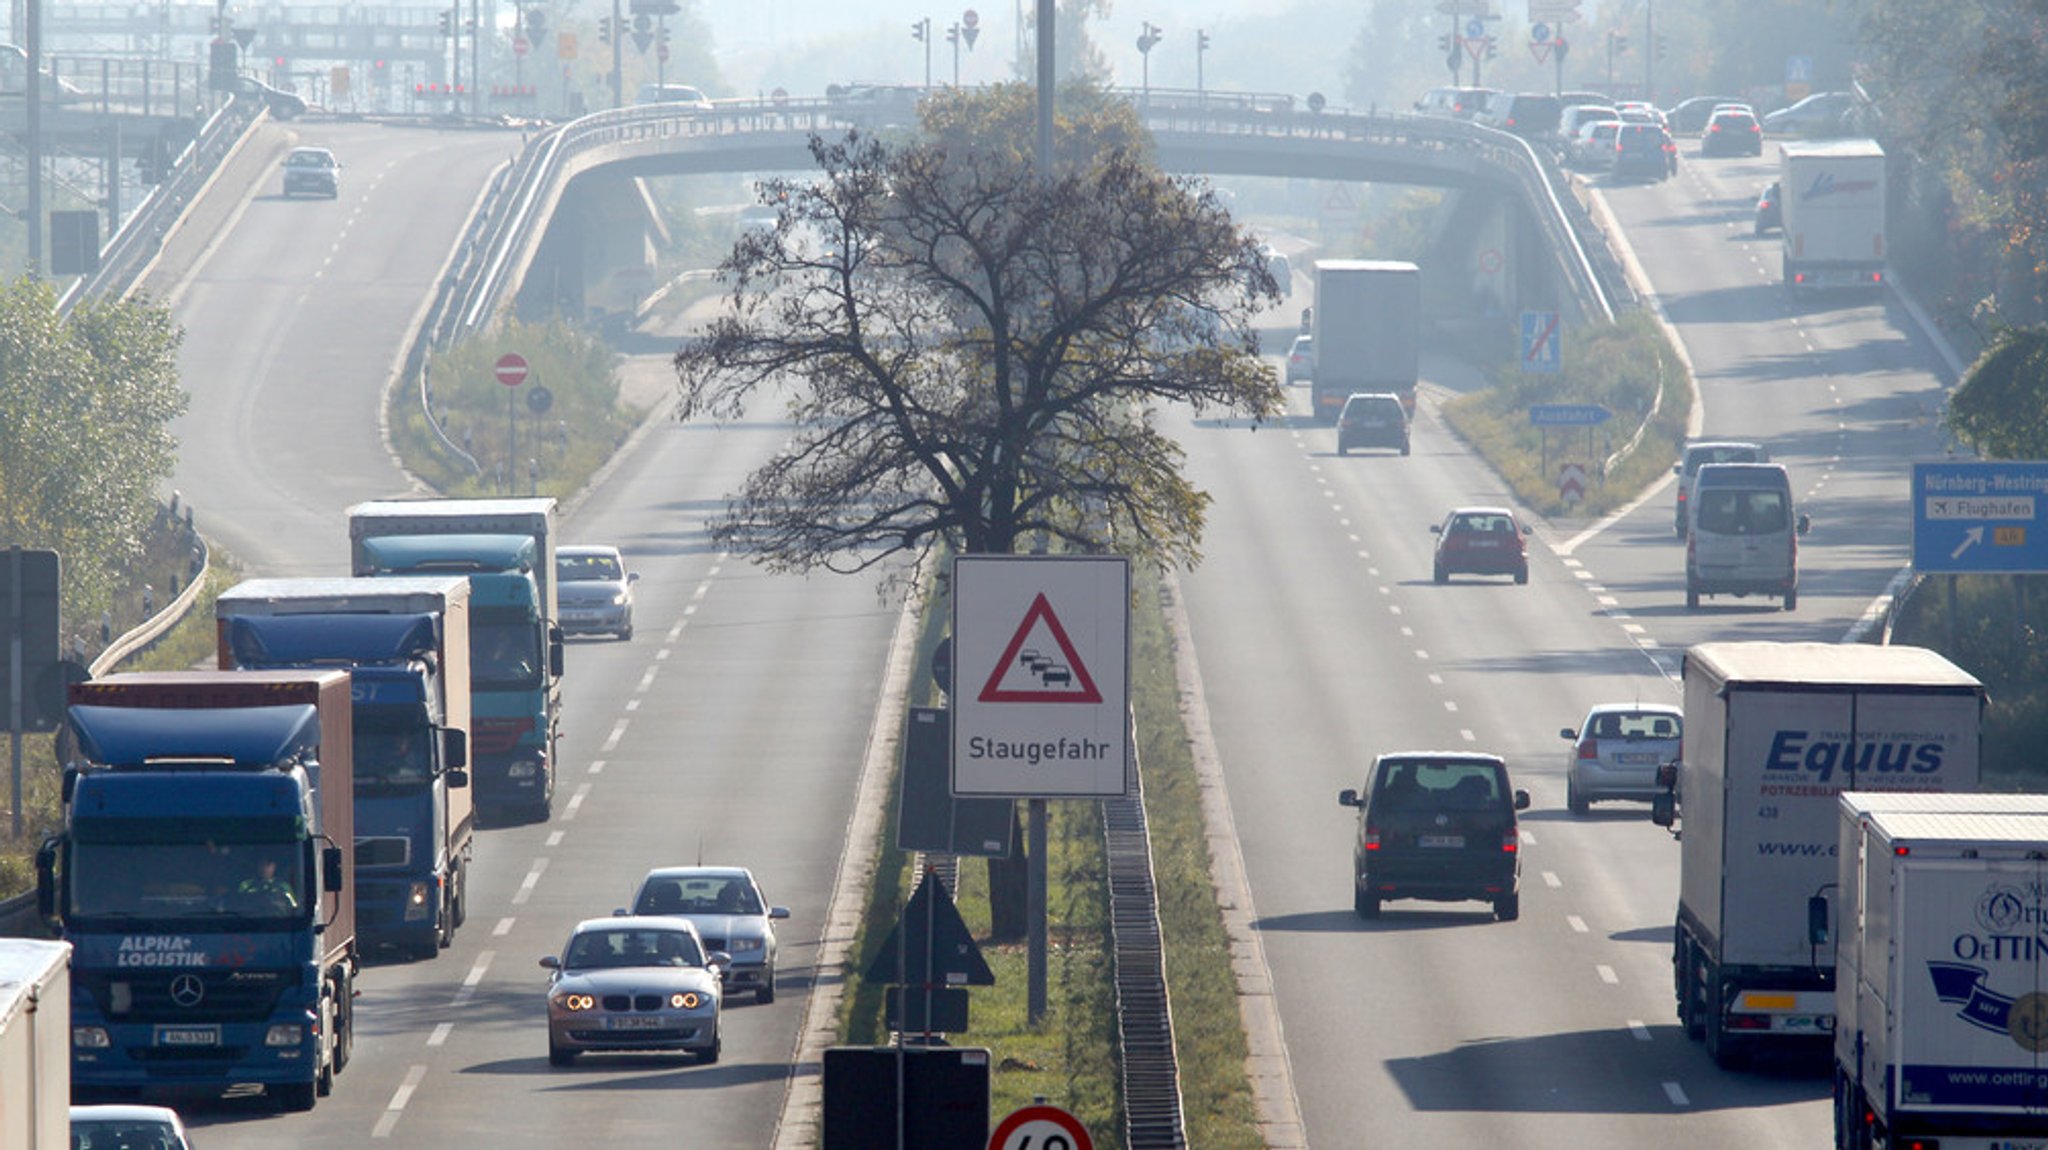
x=506, y=548
x=405, y=643
x=1368, y=332
x=35, y=1044
x=1774, y=732
x=203, y=879
x=1832, y=199
x=1936, y=926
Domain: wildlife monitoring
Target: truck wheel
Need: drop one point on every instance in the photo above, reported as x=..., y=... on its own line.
x=460, y=913
x=1791, y=600
x=344, y=1026
x=1727, y=1051
x=296, y=1097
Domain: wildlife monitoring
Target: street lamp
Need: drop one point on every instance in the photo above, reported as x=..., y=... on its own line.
x=1147, y=40
x=1201, y=50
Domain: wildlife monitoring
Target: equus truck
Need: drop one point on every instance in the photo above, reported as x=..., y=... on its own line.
x=1940, y=971
x=405, y=643
x=1368, y=332
x=1774, y=732
x=35, y=1044
x=204, y=879
x=506, y=549
x=1832, y=195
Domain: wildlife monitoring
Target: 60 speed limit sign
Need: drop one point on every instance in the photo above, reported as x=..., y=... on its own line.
x=1041, y=1128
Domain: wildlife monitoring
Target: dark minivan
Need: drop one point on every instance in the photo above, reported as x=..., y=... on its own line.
x=1530, y=116
x=1437, y=825
x=1643, y=152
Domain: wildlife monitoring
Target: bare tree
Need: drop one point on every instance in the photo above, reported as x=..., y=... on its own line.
x=972, y=354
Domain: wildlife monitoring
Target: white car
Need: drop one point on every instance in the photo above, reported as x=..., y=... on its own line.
x=641, y=983
x=726, y=905
x=1592, y=149
x=126, y=1127
x=594, y=591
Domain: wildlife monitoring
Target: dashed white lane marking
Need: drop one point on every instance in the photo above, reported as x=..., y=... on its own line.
x=1421, y=654
x=1466, y=734
x=632, y=704
x=647, y=680
x=399, y=1098
x=1407, y=632
x=503, y=928
x=1637, y=1027
x=1676, y=1094
x=1435, y=679
x=440, y=1035
x=1551, y=880
x=575, y=801
x=1607, y=975
x=611, y=741
x=702, y=590
x=674, y=633
x=531, y=880
x=662, y=655
x=597, y=766
x=1577, y=924
x=690, y=610
x=1451, y=705
x=555, y=838
x=472, y=980
x=1386, y=590
x=1393, y=608
x=1528, y=837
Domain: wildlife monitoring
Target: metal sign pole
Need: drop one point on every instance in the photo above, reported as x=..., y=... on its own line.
x=1034, y=915
x=16, y=716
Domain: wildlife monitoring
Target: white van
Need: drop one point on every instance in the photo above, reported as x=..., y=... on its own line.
x=1744, y=533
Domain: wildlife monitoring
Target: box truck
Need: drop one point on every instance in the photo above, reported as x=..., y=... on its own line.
x=1936, y=927
x=1832, y=194
x=204, y=881
x=506, y=548
x=1368, y=332
x=405, y=643
x=35, y=1044
x=1774, y=732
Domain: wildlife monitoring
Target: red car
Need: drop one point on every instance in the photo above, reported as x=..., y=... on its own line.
x=1481, y=541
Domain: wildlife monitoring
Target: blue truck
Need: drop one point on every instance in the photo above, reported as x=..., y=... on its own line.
x=405, y=642
x=204, y=882
x=506, y=548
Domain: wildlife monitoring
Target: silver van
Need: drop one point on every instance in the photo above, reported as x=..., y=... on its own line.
x=1744, y=533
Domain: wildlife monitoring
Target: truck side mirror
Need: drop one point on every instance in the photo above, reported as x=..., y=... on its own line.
x=454, y=748
x=1521, y=800
x=1817, y=920
x=555, y=662
x=330, y=868
x=1805, y=523
x=69, y=784
x=1664, y=809
x=1667, y=775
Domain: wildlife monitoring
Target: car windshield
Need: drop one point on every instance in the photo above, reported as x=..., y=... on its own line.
x=698, y=895
x=1743, y=512
x=123, y=1134
x=1704, y=456
x=309, y=160
x=578, y=568
x=1405, y=786
x=615, y=947
x=1481, y=523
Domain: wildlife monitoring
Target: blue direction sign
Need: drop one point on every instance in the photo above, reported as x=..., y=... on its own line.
x=1542, y=346
x=1568, y=415
x=1980, y=517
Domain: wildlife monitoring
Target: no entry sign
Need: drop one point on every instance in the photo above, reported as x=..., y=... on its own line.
x=511, y=369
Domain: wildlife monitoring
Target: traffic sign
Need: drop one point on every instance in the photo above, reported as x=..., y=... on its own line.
x=1539, y=32
x=1475, y=28
x=1041, y=658
x=539, y=399
x=1542, y=343
x=1981, y=517
x=1568, y=415
x=1571, y=484
x=521, y=46
x=1040, y=1127
x=510, y=369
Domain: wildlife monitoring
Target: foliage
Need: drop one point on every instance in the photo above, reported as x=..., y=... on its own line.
x=1075, y=54
x=555, y=453
x=1623, y=366
x=85, y=410
x=2001, y=407
x=974, y=351
x=1996, y=628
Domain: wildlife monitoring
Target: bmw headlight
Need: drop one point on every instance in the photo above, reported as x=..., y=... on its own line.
x=576, y=1002
x=686, y=1000
x=740, y=946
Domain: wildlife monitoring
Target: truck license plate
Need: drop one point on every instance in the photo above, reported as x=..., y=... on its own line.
x=633, y=1022
x=1440, y=840
x=188, y=1036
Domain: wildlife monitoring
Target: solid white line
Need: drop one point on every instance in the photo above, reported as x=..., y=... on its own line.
x=531, y=880
x=440, y=1035
x=1607, y=975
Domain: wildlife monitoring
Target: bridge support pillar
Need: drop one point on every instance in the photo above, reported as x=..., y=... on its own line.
x=598, y=258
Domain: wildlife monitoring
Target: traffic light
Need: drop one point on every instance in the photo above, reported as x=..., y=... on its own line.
x=1150, y=37
x=222, y=63
x=1660, y=47
x=661, y=36
x=1201, y=40
x=604, y=29
x=917, y=30
x=1443, y=42
x=447, y=21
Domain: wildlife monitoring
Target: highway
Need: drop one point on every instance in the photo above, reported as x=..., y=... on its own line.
x=1322, y=641
x=731, y=728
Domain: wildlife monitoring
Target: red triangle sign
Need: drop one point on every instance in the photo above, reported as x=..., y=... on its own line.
x=1040, y=670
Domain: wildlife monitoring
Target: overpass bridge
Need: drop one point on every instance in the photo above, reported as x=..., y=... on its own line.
x=1508, y=239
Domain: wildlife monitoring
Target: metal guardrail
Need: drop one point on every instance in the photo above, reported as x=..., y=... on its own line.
x=1154, y=1118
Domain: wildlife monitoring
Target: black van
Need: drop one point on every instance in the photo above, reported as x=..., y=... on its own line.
x=1437, y=825
x=1530, y=116
x=1643, y=152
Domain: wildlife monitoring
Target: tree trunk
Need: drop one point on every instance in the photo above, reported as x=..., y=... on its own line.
x=1008, y=888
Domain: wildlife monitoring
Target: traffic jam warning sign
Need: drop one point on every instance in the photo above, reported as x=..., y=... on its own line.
x=1041, y=653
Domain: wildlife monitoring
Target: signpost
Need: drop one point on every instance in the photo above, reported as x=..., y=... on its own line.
x=1979, y=517
x=1549, y=415
x=510, y=370
x=1040, y=1127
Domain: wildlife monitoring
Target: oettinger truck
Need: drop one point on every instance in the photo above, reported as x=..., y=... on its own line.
x=35, y=1044
x=1941, y=987
x=1774, y=733
x=1832, y=193
x=203, y=877
x=1368, y=332
x=405, y=642
x=506, y=549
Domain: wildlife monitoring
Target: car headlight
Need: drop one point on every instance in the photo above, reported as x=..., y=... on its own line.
x=619, y=600
x=576, y=1002
x=686, y=1000
x=739, y=946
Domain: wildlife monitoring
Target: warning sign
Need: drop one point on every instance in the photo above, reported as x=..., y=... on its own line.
x=1041, y=653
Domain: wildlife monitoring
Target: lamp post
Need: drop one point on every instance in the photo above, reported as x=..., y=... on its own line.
x=1147, y=40
x=953, y=38
x=1201, y=50
x=921, y=31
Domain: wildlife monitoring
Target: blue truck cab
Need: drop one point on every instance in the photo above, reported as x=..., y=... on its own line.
x=202, y=880
x=405, y=642
x=515, y=656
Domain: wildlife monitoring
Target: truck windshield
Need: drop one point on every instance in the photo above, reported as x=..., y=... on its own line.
x=239, y=881
x=504, y=653
x=388, y=753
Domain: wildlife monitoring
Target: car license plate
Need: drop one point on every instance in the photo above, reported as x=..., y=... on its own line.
x=1440, y=840
x=1637, y=757
x=188, y=1036
x=633, y=1022
x=1484, y=544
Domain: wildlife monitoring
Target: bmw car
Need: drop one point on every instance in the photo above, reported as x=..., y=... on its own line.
x=634, y=984
x=595, y=591
x=726, y=906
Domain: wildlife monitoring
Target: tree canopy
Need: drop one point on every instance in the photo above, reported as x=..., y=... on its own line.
x=973, y=354
x=85, y=411
x=2001, y=407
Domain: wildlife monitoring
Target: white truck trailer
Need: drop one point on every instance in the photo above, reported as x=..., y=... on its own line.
x=35, y=1044
x=1832, y=193
x=1773, y=733
x=1368, y=332
x=1939, y=917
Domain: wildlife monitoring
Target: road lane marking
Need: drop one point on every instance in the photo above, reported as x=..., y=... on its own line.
x=1637, y=1028
x=1577, y=924
x=647, y=680
x=1607, y=974
x=555, y=839
x=440, y=1035
x=611, y=741
x=473, y=979
x=531, y=880
x=1676, y=1094
x=1466, y=734
x=503, y=928
x=1451, y=705
x=403, y=1095
x=632, y=704
x=597, y=766
x=575, y=801
x=1551, y=880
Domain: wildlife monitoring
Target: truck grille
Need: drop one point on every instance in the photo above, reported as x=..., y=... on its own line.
x=185, y=995
x=496, y=737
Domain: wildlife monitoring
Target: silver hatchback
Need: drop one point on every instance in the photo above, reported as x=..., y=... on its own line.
x=1617, y=750
x=595, y=592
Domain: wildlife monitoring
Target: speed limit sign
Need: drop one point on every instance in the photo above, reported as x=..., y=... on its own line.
x=1041, y=1128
